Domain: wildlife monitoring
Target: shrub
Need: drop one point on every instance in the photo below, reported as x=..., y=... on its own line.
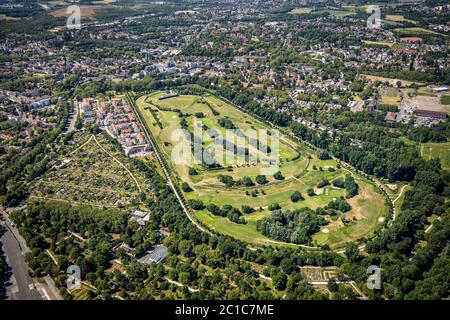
x=186, y=187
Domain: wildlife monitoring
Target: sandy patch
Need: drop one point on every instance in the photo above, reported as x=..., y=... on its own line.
x=426, y=103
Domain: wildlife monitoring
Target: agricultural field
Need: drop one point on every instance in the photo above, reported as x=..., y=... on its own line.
x=85, y=174
x=398, y=18
x=300, y=168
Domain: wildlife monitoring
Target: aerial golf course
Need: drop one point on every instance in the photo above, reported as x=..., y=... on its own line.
x=235, y=178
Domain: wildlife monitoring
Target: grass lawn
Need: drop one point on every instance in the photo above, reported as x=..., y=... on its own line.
x=431, y=150
x=398, y=18
x=300, y=11
x=367, y=209
x=379, y=43
x=417, y=31
x=445, y=100
x=391, y=96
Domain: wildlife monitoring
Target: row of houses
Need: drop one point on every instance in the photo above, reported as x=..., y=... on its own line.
x=118, y=118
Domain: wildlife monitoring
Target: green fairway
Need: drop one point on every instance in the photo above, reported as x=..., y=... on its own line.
x=300, y=168
x=300, y=10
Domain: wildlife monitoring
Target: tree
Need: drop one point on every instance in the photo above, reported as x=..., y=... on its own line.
x=323, y=155
x=352, y=253
x=261, y=179
x=332, y=285
x=278, y=175
x=247, y=209
x=196, y=204
x=296, y=196
x=247, y=181
x=185, y=187
x=279, y=280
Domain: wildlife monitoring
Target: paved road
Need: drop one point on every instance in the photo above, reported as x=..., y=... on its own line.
x=22, y=286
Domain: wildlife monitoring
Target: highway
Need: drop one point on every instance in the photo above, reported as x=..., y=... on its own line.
x=21, y=286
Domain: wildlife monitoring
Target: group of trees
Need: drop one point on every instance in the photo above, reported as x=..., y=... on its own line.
x=415, y=263
x=349, y=184
x=232, y=213
x=244, y=181
x=291, y=226
x=339, y=204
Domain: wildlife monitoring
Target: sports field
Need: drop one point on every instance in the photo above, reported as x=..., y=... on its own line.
x=300, y=168
x=432, y=150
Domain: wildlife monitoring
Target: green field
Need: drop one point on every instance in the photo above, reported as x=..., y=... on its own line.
x=391, y=96
x=432, y=150
x=299, y=166
x=417, y=31
x=300, y=11
x=379, y=43
x=445, y=100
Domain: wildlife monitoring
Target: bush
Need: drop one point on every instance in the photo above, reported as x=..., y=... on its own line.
x=310, y=192
x=274, y=206
x=247, y=181
x=192, y=172
x=185, y=187
x=247, y=209
x=323, y=183
x=278, y=175
x=196, y=204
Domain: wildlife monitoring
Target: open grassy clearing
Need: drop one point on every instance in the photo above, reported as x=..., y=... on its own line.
x=300, y=167
x=300, y=10
x=431, y=150
x=418, y=31
x=379, y=43
x=398, y=18
x=391, y=81
x=87, y=11
x=391, y=96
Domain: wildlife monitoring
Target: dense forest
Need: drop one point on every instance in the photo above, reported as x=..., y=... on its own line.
x=297, y=226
